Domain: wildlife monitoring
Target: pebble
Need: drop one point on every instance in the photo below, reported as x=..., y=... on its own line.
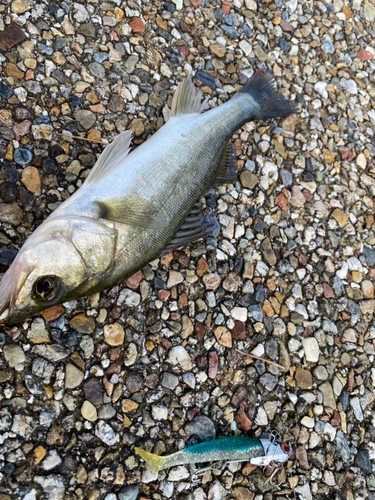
x=129, y=492
x=14, y=355
x=179, y=358
x=202, y=427
x=311, y=348
x=85, y=117
x=114, y=334
x=106, y=434
x=73, y=376
x=22, y=156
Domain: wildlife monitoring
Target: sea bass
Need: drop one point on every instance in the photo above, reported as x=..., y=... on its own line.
x=261, y=452
x=133, y=206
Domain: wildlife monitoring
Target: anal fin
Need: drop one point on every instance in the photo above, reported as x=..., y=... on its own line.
x=228, y=169
x=196, y=226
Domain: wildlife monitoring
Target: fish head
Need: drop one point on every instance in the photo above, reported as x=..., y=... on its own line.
x=276, y=452
x=62, y=260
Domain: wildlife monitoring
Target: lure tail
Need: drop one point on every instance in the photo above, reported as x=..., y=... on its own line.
x=154, y=461
x=265, y=102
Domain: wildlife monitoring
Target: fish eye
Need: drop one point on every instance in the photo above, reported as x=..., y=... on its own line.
x=285, y=448
x=47, y=289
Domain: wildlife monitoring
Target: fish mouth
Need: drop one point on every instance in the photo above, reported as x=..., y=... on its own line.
x=10, y=285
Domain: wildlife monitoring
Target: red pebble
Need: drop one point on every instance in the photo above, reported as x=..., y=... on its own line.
x=225, y=7
x=327, y=291
x=242, y=420
x=137, y=25
x=364, y=55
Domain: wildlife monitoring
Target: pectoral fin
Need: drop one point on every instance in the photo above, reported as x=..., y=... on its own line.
x=130, y=210
x=195, y=227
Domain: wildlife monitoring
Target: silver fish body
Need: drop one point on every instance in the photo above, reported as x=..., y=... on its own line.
x=132, y=205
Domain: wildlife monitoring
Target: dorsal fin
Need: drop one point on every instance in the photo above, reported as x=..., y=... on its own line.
x=228, y=169
x=187, y=99
x=111, y=157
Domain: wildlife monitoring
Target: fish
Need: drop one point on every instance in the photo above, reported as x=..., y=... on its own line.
x=134, y=206
x=262, y=452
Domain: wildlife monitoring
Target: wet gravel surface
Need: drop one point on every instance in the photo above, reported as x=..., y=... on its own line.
x=152, y=362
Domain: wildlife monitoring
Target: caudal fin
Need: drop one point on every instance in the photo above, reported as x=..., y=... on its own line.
x=154, y=461
x=271, y=104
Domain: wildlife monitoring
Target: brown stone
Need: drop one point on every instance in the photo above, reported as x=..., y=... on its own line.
x=82, y=323
x=242, y=420
x=347, y=12
x=116, y=104
x=55, y=435
x=248, y=179
x=231, y=283
x=301, y=456
x=38, y=454
x=200, y=330
x=183, y=50
x=21, y=6
x=268, y=253
x=340, y=217
x=238, y=331
x=128, y=405
x=223, y=336
x=133, y=281
x=303, y=379
x=196, y=3
x=289, y=123
x=13, y=71
x=281, y=202
x=11, y=213
x=5, y=118
x=134, y=381
x=329, y=156
x=137, y=25
x=367, y=289
x=211, y=281
x=137, y=127
x=11, y=36
x=31, y=180
x=267, y=308
x=202, y=266
x=218, y=50
x=213, y=362
x=239, y=396
x=241, y=493
x=114, y=334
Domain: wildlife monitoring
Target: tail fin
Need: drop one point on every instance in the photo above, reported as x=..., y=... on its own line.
x=261, y=88
x=154, y=461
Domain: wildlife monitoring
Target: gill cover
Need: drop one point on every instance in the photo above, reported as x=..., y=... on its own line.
x=60, y=255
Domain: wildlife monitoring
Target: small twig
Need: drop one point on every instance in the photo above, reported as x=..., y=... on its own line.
x=261, y=359
x=73, y=136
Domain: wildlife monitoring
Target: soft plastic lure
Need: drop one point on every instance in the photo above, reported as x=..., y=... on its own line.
x=262, y=452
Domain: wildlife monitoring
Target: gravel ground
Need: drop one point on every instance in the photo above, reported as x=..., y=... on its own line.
x=152, y=362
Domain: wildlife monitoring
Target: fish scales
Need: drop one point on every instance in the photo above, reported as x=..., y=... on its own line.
x=131, y=206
